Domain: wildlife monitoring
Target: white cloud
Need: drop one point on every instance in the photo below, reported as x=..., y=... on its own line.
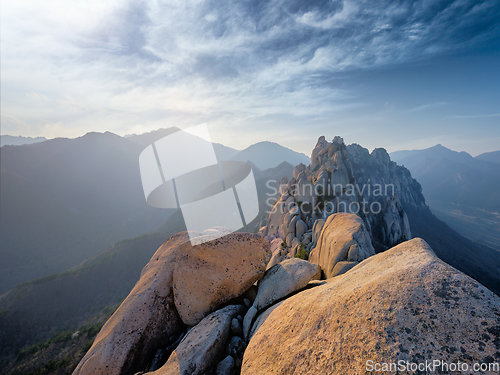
x=123, y=66
x=476, y=116
x=427, y=106
x=35, y=96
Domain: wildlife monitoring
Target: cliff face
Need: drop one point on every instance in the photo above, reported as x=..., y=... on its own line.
x=346, y=179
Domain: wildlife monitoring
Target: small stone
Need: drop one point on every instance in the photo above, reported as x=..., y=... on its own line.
x=251, y=293
x=236, y=327
x=158, y=360
x=247, y=322
x=342, y=267
x=247, y=302
x=236, y=346
x=226, y=366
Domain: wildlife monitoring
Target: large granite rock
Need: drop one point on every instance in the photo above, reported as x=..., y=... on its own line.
x=142, y=323
x=203, y=347
x=208, y=275
x=180, y=285
x=342, y=233
x=404, y=304
x=316, y=230
x=280, y=281
x=284, y=279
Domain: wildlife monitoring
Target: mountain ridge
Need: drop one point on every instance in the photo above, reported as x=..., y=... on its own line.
x=13, y=140
x=462, y=190
x=265, y=154
x=493, y=156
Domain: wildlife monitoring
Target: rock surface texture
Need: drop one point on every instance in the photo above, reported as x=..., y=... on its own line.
x=343, y=237
x=284, y=279
x=179, y=286
x=255, y=304
x=404, y=304
x=280, y=281
x=210, y=274
x=200, y=351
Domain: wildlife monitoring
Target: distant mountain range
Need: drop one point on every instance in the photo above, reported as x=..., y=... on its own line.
x=493, y=157
x=462, y=190
x=263, y=155
x=11, y=140
x=223, y=152
x=64, y=200
x=269, y=154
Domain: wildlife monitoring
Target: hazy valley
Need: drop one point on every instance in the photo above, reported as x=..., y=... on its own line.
x=461, y=190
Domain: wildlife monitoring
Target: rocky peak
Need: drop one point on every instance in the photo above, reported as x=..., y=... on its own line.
x=298, y=169
x=381, y=155
x=338, y=140
x=348, y=179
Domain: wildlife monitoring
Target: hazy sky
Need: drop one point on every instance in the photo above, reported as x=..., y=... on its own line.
x=394, y=74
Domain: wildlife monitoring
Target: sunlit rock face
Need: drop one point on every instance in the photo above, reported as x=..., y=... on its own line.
x=401, y=305
x=346, y=179
x=180, y=286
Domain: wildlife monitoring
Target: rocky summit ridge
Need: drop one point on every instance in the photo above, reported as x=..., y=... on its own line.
x=322, y=289
x=348, y=179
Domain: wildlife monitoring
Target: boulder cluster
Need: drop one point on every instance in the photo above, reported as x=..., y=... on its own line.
x=186, y=296
x=400, y=305
x=194, y=307
x=403, y=306
x=313, y=294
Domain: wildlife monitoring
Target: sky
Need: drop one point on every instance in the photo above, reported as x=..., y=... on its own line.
x=395, y=74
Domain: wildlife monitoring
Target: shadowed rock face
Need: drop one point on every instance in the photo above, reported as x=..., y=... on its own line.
x=403, y=304
x=202, y=348
x=179, y=286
